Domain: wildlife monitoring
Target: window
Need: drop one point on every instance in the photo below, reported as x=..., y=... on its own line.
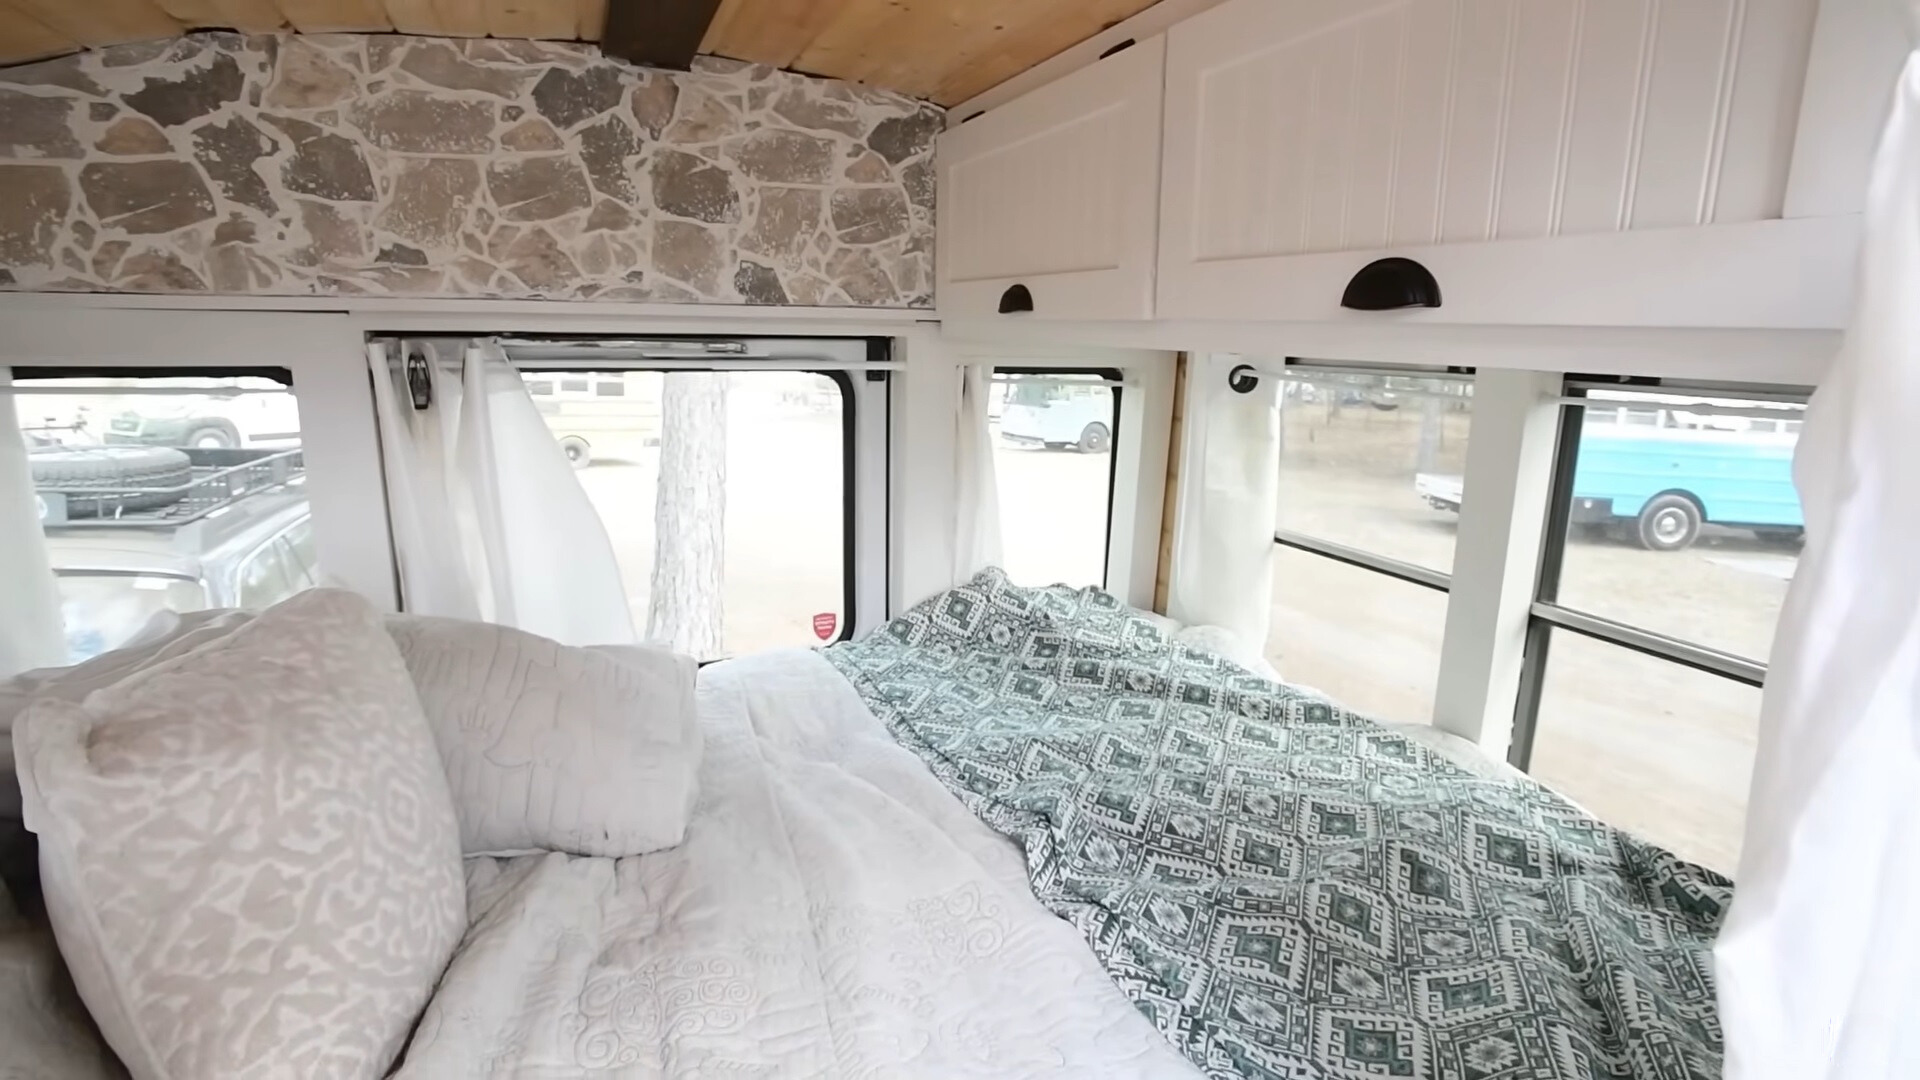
x=1054, y=432
x=574, y=386
x=1371, y=476
x=1690, y=528
x=164, y=493
x=1675, y=529
x=767, y=451
x=540, y=387
x=1375, y=462
x=1662, y=750
x=1367, y=639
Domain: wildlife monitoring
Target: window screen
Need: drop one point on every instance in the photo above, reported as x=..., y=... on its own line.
x=164, y=493
x=724, y=494
x=1054, y=434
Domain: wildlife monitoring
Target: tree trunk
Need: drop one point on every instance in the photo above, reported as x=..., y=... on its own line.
x=1432, y=417
x=684, y=607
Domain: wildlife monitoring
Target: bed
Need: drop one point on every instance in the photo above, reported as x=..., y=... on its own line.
x=1035, y=833
x=833, y=912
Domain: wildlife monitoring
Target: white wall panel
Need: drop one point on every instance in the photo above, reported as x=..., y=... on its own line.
x=1312, y=127
x=1509, y=118
x=1058, y=191
x=1540, y=93
x=1684, y=127
x=1604, y=115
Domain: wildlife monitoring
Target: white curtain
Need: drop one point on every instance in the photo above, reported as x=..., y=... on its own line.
x=1224, y=573
x=1819, y=960
x=976, y=543
x=30, y=630
x=489, y=519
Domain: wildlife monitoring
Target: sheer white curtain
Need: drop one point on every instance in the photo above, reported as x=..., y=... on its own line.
x=1817, y=961
x=976, y=538
x=489, y=519
x=1224, y=574
x=30, y=630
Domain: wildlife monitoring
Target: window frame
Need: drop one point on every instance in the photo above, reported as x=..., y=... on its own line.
x=861, y=368
x=274, y=546
x=1410, y=572
x=1360, y=558
x=1116, y=381
x=1546, y=616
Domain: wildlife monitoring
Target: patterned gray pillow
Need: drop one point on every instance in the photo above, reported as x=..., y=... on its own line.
x=249, y=852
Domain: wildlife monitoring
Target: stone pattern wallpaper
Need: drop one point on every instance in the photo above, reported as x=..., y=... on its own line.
x=402, y=166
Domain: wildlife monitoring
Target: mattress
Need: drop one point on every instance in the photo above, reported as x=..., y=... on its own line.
x=833, y=912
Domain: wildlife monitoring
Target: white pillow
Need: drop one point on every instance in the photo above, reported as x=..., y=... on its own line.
x=549, y=747
x=248, y=852
x=165, y=636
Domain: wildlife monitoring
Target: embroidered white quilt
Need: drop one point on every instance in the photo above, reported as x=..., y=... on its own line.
x=833, y=913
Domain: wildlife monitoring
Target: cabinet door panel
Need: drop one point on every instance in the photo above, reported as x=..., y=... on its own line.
x=1057, y=191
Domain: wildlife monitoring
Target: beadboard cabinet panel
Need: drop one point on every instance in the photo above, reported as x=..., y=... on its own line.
x=1321, y=126
x=1057, y=191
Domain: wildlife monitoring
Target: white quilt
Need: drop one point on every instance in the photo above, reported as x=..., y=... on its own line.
x=833, y=912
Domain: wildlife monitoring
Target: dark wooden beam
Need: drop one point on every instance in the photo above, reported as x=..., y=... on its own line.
x=657, y=33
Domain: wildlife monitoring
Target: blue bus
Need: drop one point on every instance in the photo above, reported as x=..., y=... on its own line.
x=1660, y=484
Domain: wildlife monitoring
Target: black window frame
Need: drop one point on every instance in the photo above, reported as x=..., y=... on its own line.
x=1115, y=380
x=1548, y=616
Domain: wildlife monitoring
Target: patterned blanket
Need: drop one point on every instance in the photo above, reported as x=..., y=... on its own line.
x=1287, y=889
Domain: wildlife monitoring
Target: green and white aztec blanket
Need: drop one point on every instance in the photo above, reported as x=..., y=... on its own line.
x=1287, y=889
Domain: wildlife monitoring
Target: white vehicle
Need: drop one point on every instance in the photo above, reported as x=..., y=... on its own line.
x=262, y=416
x=1059, y=414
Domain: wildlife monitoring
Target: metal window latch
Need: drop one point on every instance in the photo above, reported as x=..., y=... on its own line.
x=419, y=382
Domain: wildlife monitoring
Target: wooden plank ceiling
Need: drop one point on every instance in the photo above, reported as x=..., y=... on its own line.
x=940, y=50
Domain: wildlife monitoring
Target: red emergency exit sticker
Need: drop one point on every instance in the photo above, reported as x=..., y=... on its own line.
x=824, y=624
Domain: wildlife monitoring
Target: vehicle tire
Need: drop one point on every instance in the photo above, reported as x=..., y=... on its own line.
x=74, y=469
x=1096, y=439
x=218, y=436
x=579, y=454
x=1668, y=523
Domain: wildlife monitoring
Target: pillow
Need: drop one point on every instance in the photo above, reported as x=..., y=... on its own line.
x=549, y=747
x=164, y=637
x=248, y=853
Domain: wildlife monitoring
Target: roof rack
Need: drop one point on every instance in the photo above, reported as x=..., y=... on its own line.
x=218, y=479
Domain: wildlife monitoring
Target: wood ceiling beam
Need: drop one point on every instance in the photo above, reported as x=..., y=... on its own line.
x=657, y=33
x=769, y=31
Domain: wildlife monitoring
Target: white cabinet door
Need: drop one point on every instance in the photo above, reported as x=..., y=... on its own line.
x=1305, y=138
x=1057, y=192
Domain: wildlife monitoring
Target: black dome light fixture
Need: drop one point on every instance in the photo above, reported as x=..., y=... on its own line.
x=1391, y=284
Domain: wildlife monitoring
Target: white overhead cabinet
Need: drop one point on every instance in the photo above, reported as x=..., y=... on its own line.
x=1048, y=203
x=1574, y=162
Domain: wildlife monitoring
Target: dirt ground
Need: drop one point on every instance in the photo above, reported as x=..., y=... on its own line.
x=1648, y=745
